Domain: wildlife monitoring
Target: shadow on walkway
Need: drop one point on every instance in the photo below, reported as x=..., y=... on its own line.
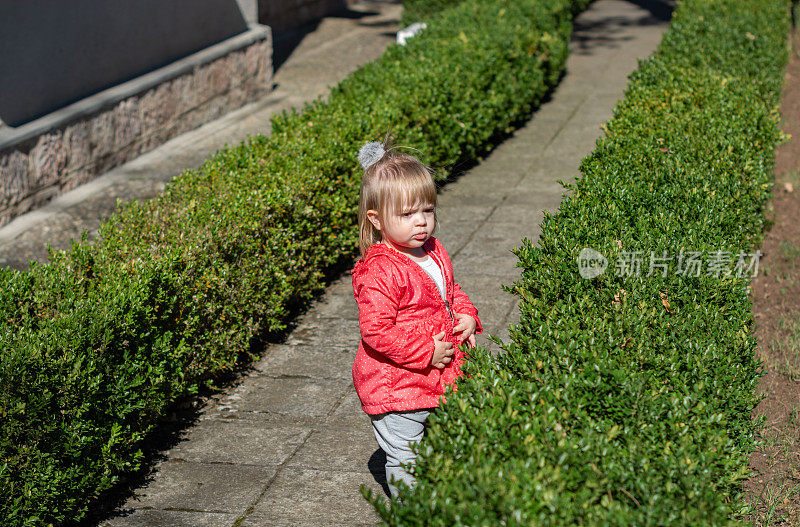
x=590, y=34
x=377, y=467
x=285, y=42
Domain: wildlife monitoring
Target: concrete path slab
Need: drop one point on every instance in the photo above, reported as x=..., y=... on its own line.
x=162, y=518
x=289, y=444
x=303, y=496
x=242, y=441
x=205, y=488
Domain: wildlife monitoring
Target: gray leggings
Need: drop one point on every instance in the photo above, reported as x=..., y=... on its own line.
x=396, y=432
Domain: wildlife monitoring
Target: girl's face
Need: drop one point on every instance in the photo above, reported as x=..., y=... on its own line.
x=407, y=229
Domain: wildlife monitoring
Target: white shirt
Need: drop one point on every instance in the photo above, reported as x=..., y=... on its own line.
x=432, y=268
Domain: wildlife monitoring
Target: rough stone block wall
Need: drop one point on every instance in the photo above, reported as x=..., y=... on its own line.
x=33, y=172
x=282, y=15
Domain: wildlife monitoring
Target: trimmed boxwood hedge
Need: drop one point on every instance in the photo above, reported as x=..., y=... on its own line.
x=421, y=10
x=626, y=400
x=99, y=342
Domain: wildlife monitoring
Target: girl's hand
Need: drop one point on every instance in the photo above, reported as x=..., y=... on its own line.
x=471, y=340
x=466, y=326
x=442, y=352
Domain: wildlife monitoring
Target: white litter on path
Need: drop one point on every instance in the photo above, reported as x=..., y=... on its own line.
x=406, y=33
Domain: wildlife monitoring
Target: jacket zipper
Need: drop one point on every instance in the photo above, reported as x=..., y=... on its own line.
x=425, y=276
x=446, y=303
x=450, y=311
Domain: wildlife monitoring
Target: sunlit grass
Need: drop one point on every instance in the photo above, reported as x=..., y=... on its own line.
x=774, y=503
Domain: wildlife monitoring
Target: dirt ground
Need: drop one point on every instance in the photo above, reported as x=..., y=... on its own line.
x=774, y=488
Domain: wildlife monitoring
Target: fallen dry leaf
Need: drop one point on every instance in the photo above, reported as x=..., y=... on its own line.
x=619, y=297
x=665, y=302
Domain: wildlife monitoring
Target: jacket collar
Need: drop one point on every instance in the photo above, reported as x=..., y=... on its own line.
x=378, y=250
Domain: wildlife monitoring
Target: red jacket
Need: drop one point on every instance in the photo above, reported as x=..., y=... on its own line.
x=400, y=309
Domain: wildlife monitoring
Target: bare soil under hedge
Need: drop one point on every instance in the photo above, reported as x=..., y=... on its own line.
x=774, y=487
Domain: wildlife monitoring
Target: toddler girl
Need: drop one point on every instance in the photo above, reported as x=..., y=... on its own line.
x=412, y=315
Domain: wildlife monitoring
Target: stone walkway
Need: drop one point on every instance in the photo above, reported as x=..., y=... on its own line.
x=289, y=444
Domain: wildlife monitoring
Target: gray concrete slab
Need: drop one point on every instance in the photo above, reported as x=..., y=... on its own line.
x=300, y=395
x=455, y=234
x=489, y=254
x=239, y=442
x=530, y=217
x=549, y=199
x=531, y=141
x=319, y=497
x=353, y=448
x=576, y=139
x=554, y=113
x=327, y=362
x=300, y=523
x=349, y=414
x=465, y=193
x=338, y=303
x=205, y=488
x=320, y=331
x=454, y=210
x=225, y=414
x=160, y=518
x=543, y=175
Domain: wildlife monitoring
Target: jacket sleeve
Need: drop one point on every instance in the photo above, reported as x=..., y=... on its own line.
x=462, y=304
x=377, y=312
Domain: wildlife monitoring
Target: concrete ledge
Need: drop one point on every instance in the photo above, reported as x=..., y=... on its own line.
x=71, y=146
x=105, y=99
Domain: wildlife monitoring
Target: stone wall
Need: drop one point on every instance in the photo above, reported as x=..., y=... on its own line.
x=36, y=169
x=54, y=153
x=282, y=15
x=55, y=53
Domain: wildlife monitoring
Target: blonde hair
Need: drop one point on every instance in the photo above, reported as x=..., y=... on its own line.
x=394, y=181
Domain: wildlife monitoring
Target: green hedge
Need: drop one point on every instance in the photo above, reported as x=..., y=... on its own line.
x=98, y=343
x=423, y=10
x=634, y=410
